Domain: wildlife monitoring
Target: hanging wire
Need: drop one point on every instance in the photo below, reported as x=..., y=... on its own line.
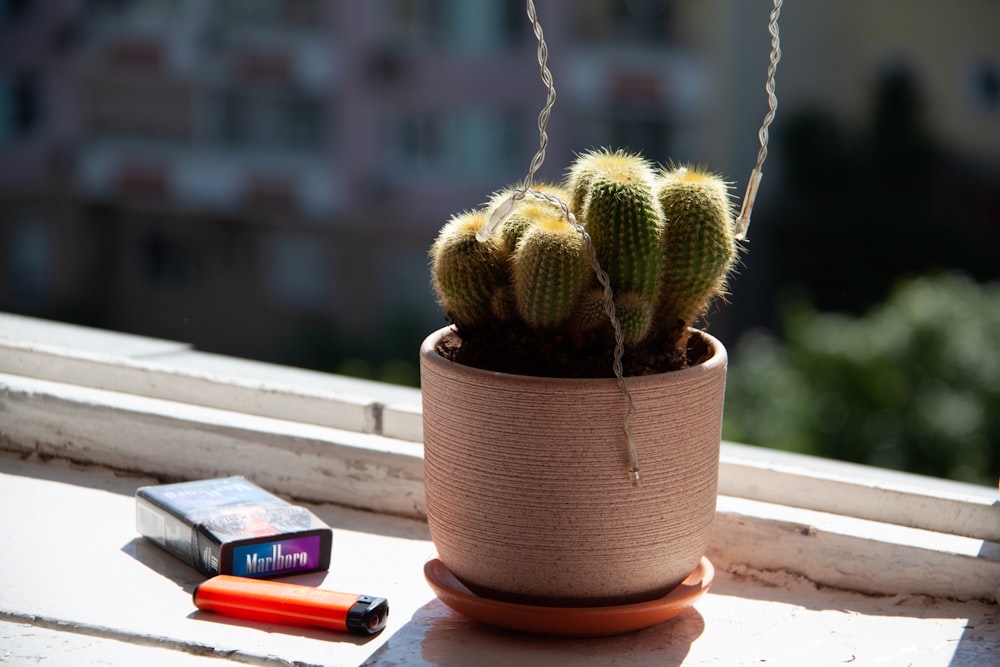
x=743, y=221
x=550, y=96
x=505, y=208
x=609, y=310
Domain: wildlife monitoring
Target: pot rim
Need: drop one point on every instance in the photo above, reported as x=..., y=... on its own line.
x=719, y=357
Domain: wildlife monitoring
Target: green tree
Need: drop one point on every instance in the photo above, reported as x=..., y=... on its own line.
x=913, y=384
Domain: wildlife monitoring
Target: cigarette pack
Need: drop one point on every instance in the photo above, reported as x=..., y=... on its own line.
x=232, y=526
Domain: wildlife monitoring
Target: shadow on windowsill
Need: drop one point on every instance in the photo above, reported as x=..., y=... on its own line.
x=439, y=636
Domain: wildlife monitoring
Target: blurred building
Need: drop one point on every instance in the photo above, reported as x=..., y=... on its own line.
x=248, y=175
x=232, y=172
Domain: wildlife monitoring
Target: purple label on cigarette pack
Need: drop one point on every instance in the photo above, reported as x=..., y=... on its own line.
x=283, y=557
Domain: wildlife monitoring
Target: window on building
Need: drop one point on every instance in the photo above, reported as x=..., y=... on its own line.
x=469, y=144
x=416, y=140
x=623, y=21
x=480, y=27
x=644, y=132
x=484, y=26
x=113, y=8
x=292, y=13
x=273, y=119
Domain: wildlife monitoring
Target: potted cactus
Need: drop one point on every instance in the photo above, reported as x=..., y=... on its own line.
x=572, y=415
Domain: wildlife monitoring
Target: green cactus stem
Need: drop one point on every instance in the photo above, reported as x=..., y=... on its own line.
x=615, y=197
x=699, y=245
x=634, y=313
x=468, y=274
x=550, y=268
x=589, y=314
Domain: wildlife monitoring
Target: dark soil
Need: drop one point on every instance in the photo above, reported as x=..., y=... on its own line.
x=521, y=351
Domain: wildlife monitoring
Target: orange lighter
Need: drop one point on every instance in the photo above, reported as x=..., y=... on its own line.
x=291, y=604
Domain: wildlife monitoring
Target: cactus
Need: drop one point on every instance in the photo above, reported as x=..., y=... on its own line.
x=699, y=245
x=634, y=313
x=550, y=268
x=589, y=314
x=614, y=192
x=665, y=240
x=468, y=275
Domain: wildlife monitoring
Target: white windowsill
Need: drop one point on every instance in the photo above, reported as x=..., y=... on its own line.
x=159, y=409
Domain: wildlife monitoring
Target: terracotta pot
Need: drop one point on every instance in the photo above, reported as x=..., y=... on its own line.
x=528, y=497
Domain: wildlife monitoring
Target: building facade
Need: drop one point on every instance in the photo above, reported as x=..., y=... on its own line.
x=264, y=177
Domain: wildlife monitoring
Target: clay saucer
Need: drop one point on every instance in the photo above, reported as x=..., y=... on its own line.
x=568, y=621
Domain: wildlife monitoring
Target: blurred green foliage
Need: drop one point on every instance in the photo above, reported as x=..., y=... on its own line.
x=913, y=384
x=882, y=193
x=387, y=354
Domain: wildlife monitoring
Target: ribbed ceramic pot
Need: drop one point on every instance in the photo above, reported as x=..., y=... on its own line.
x=528, y=497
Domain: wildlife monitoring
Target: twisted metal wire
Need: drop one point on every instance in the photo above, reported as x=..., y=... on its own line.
x=504, y=209
x=602, y=276
x=550, y=96
x=609, y=310
x=743, y=221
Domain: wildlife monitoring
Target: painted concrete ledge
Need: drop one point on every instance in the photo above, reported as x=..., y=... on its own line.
x=809, y=533
x=159, y=408
x=772, y=542
x=80, y=587
x=169, y=370
x=178, y=441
